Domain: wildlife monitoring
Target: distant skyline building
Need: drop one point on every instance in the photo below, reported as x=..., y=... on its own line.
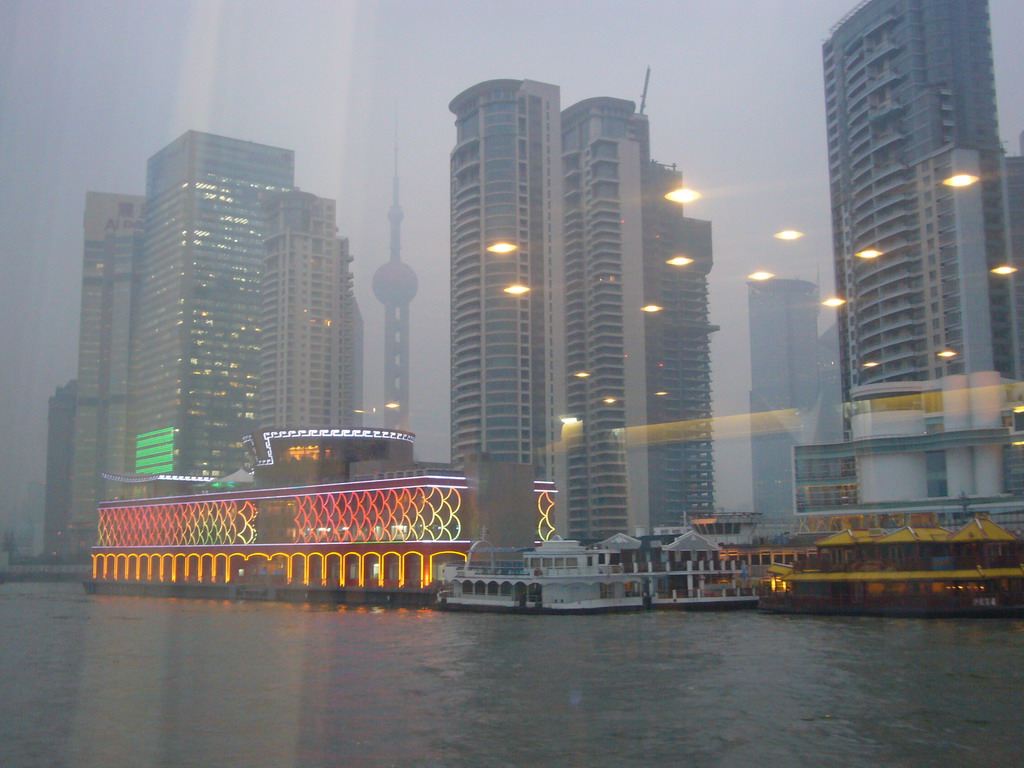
x=505, y=261
x=61, y=537
x=111, y=255
x=791, y=402
x=395, y=285
x=917, y=205
x=309, y=371
x=636, y=429
x=195, y=361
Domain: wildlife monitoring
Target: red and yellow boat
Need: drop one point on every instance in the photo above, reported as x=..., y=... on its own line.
x=919, y=571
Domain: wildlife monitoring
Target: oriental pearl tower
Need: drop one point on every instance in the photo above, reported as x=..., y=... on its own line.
x=394, y=285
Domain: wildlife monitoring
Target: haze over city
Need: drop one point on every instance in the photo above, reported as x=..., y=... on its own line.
x=89, y=92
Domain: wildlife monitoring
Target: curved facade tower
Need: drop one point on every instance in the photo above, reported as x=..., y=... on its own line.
x=910, y=101
x=505, y=247
x=395, y=285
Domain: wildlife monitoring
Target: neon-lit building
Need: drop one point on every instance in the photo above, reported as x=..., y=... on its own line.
x=386, y=531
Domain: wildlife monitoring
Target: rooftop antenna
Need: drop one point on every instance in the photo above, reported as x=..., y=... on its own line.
x=643, y=97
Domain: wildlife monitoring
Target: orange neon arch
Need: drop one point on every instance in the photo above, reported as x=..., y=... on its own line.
x=344, y=568
x=383, y=568
x=428, y=575
x=362, y=570
x=406, y=569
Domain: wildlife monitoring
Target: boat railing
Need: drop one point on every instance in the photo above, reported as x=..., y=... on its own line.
x=943, y=601
x=937, y=563
x=482, y=571
x=707, y=593
x=686, y=566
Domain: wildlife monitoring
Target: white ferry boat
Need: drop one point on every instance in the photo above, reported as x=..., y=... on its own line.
x=559, y=576
x=622, y=573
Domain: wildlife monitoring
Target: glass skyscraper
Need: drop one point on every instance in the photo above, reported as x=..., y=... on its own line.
x=112, y=250
x=195, y=362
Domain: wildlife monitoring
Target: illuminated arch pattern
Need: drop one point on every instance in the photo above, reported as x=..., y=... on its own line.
x=545, y=508
x=227, y=521
x=423, y=513
x=417, y=513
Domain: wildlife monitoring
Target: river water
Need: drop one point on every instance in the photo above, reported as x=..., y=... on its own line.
x=120, y=681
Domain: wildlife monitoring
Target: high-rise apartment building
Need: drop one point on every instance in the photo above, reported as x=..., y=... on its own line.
x=195, y=360
x=308, y=367
x=636, y=433
x=395, y=285
x=578, y=308
x=505, y=265
x=917, y=205
x=785, y=385
x=112, y=250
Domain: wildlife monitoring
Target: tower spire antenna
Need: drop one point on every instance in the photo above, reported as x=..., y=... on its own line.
x=643, y=96
x=395, y=214
x=394, y=285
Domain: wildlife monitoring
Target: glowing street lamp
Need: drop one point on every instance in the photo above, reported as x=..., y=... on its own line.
x=869, y=364
x=947, y=353
x=789, y=234
x=516, y=290
x=761, y=275
x=679, y=261
x=502, y=247
x=609, y=400
x=652, y=308
x=1006, y=269
x=835, y=301
x=661, y=393
x=391, y=405
x=869, y=253
x=683, y=195
x=960, y=180
x=581, y=374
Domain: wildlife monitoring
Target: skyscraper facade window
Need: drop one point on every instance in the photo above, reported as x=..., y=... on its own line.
x=308, y=367
x=917, y=205
x=112, y=250
x=195, y=362
x=636, y=433
x=505, y=256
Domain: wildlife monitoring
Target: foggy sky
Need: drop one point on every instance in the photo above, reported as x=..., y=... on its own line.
x=89, y=91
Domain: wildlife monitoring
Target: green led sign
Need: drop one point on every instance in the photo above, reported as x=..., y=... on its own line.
x=154, y=451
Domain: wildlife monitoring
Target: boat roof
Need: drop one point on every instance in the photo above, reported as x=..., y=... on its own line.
x=845, y=538
x=981, y=528
x=909, y=534
x=691, y=541
x=621, y=541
